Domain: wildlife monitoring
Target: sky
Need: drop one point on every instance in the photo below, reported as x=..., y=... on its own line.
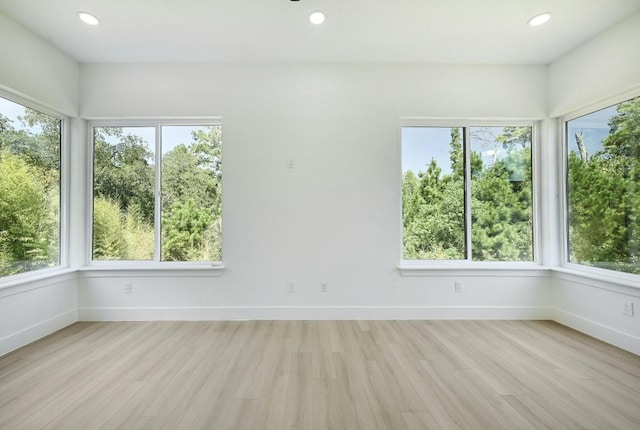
x=12, y=110
x=421, y=144
x=594, y=127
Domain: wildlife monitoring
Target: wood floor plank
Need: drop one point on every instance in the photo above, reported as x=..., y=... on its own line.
x=370, y=375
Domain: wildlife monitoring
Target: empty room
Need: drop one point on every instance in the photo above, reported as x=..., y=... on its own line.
x=320, y=214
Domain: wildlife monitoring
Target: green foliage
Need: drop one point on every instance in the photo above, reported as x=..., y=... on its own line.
x=184, y=178
x=37, y=141
x=501, y=212
x=108, y=241
x=433, y=220
x=191, y=198
x=184, y=228
x=123, y=171
x=25, y=223
x=46, y=148
x=138, y=235
x=433, y=227
x=29, y=192
x=515, y=137
x=604, y=197
x=118, y=234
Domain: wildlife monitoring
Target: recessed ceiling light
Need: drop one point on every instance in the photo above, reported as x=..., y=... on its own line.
x=316, y=17
x=88, y=18
x=539, y=19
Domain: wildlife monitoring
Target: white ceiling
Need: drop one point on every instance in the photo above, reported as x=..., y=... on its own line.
x=433, y=31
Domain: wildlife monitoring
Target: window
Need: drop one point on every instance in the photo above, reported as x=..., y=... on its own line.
x=157, y=193
x=603, y=188
x=30, y=143
x=467, y=193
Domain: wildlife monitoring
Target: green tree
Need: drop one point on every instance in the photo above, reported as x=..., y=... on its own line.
x=185, y=178
x=26, y=224
x=109, y=242
x=184, y=228
x=139, y=236
x=501, y=205
x=37, y=141
x=604, y=196
x=501, y=214
x=192, y=198
x=30, y=153
x=123, y=171
x=434, y=209
x=411, y=198
x=515, y=137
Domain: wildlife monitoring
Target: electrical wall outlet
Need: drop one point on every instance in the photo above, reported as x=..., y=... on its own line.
x=324, y=286
x=128, y=288
x=628, y=309
x=457, y=285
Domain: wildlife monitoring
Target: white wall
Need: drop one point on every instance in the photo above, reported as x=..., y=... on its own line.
x=34, y=71
x=32, y=68
x=334, y=217
x=606, y=68
x=595, y=307
x=602, y=68
x=36, y=309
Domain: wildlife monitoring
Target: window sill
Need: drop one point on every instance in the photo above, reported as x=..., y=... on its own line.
x=138, y=269
x=586, y=273
x=466, y=268
x=33, y=280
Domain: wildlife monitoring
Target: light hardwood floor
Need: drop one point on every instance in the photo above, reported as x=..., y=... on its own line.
x=319, y=375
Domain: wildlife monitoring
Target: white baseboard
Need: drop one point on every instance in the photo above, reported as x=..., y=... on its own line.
x=37, y=331
x=595, y=329
x=607, y=334
x=313, y=313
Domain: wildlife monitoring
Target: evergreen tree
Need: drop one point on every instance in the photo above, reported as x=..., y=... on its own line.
x=501, y=206
x=604, y=196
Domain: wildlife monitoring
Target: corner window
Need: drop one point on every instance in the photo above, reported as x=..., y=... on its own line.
x=157, y=193
x=30, y=143
x=467, y=193
x=603, y=188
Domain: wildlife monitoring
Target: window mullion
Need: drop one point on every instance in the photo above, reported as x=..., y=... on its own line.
x=466, y=148
x=158, y=195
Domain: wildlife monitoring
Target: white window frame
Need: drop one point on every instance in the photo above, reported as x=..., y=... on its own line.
x=436, y=267
x=134, y=266
x=65, y=183
x=597, y=273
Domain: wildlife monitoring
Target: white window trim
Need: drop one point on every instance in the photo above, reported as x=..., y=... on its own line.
x=65, y=186
x=591, y=272
x=162, y=268
x=437, y=267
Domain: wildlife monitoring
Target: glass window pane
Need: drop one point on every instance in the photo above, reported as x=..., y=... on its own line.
x=123, y=193
x=191, y=193
x=433, y=193
x=501, y=194
x=604, y=187
x=29, y=189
